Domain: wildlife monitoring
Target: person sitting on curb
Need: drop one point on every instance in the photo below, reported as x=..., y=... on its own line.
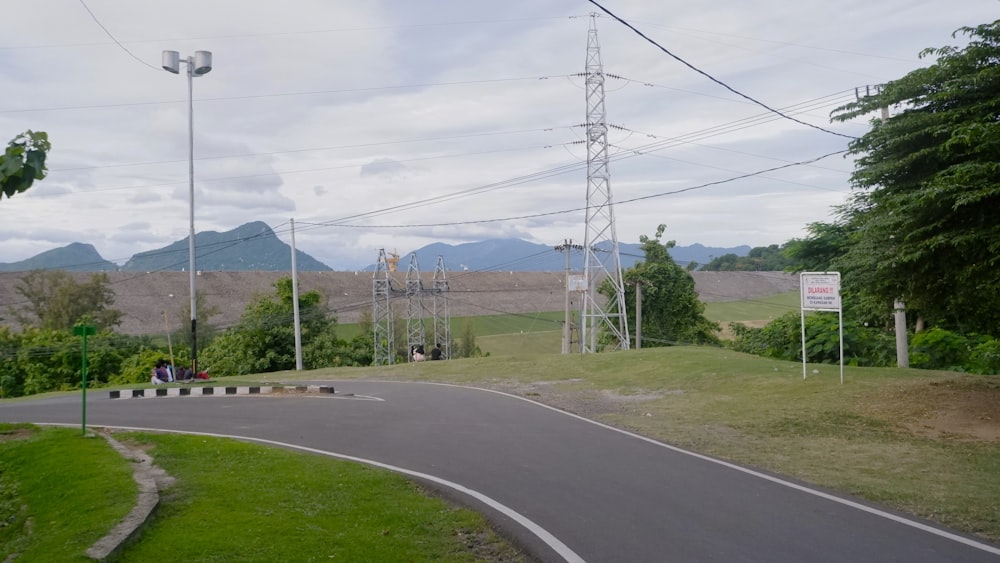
x=159, y=375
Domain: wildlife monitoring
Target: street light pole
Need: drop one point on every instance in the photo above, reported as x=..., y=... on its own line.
x=199, y=64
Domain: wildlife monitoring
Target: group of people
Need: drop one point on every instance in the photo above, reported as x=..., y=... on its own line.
x=164, y=373
x=417, y=353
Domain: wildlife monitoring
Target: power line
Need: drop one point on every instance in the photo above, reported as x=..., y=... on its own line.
x=716, y=80
x=284, y=94
x=108, y=33
x=287, y=33
x=327, y=148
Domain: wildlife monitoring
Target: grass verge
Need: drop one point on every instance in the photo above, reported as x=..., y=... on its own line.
x=59, y=492
x=231, y=501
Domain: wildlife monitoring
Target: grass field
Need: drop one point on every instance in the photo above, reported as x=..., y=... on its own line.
x=539, y=333
x=60, y=492
x=762, y=309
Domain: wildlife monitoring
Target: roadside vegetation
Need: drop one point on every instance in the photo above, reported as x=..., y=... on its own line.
x=60, y=492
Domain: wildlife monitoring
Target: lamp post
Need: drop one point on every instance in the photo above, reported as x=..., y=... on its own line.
x=199, y=64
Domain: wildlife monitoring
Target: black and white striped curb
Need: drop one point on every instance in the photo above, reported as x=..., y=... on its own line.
x=219, y=391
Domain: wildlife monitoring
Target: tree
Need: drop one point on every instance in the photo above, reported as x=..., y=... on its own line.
x=23, y=162
x=759, y=259
x=817, y=252
x=922, y=219
x=671, y=311
x=55, y=301
x=264, y=339
x=206, y=330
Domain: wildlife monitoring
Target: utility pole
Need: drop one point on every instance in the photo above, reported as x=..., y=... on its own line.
x=899, y=306
x=295, y=303
x=638, y=315
x=567, y=323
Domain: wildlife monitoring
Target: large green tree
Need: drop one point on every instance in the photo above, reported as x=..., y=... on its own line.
x=923, y=218
x=817, y=252
x=23, y=162
x=54, y=300
x=671, y=311
x=264, y=339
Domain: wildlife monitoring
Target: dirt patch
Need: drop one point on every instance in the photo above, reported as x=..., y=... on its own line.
x=960, y=409
x=16, y=434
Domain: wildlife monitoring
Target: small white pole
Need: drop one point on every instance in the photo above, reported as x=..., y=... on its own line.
x=295, y=304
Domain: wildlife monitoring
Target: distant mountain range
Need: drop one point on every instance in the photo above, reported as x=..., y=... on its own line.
x=254, y=247
x=523, y=256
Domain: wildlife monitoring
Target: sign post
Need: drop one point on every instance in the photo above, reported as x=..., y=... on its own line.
x=820, y=291
x=84, y=331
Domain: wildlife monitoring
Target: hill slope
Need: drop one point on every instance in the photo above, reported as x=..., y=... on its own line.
x=247, y=248
x=75, y=257
x=143, y=298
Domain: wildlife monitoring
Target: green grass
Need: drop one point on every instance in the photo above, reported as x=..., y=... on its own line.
x=764, y=308
x=59, y=492
x=231, y=501
x=487, y=325
x=521, y=343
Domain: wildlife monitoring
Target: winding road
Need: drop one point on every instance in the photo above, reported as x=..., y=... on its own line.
x=569, y=489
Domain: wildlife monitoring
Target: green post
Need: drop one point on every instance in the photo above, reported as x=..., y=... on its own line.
x=84, y=331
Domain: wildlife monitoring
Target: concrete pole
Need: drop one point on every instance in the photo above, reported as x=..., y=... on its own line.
x=295, y=304
x=899, y=308
x=566, y=321
x=638, y=315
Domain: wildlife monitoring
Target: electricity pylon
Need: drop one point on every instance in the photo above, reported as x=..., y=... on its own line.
x=416, y=335
x=382, y=313
x=601, y=263
x=442, y=321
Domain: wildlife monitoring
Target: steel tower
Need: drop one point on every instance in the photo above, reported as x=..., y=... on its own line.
x=601, y=261
x=382, y=313
x=416, y=335
x=442, y=321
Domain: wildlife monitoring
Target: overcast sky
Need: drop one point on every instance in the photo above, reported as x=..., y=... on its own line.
x=334, y=113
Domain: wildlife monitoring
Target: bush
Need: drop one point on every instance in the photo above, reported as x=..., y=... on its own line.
x=937, y=348
x=984, y=358
x=782, y=339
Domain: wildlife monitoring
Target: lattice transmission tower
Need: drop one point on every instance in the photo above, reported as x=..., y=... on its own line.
x=442, y=321
x=385, y=350
x=601, y=259
x=416, y=334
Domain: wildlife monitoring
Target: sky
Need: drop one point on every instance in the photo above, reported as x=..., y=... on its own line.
x=394, y=124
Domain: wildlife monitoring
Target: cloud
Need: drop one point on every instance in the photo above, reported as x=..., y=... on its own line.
x=380, y=117
x=383, y=167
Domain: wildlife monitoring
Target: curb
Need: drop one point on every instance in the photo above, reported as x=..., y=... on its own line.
x=219, y=391
x=147, y=476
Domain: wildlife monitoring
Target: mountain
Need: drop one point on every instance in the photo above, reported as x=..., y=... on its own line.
x=249, y=247
x=522, y=256
x=77, y=257
x=255, y=247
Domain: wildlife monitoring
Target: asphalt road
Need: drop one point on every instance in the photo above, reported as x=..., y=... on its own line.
x=607, y=496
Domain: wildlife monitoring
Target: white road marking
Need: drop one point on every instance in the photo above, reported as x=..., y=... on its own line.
x=541, y=533
x=858, y=506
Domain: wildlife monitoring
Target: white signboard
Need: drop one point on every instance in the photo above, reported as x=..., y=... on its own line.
x=577, y=283
x=820, y=291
